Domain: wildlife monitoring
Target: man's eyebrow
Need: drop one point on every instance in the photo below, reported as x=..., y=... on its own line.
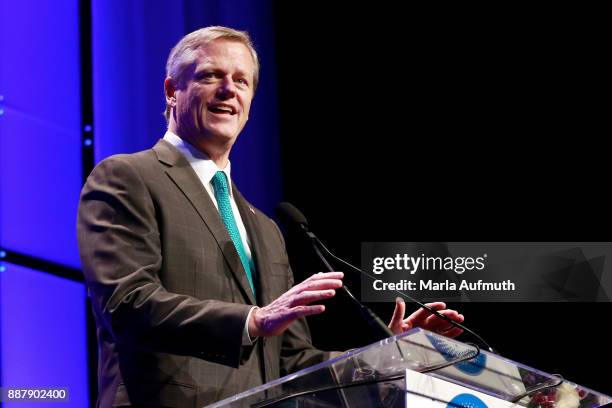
x=207, y=68
x=245, y=74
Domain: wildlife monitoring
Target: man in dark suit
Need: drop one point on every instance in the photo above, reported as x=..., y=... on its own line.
x=177, y=261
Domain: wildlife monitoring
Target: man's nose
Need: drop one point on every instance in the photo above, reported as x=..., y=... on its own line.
x=227, y=88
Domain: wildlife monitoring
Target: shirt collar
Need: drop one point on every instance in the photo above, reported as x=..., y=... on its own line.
x=204, y=167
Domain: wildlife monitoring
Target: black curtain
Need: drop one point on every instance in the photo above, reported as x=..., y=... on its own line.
x=462, y=125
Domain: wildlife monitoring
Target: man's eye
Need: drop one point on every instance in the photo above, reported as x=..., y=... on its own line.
x=207, y=75
x=242, y=81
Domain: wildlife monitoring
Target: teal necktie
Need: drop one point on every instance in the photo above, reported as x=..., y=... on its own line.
x=219, y=182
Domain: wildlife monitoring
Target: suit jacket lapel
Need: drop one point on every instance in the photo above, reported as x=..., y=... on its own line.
x=183, y=175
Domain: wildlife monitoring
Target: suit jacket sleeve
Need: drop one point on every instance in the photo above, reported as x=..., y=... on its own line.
x=119, y=243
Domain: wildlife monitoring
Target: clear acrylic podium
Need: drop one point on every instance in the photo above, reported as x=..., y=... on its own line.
x=418, y=369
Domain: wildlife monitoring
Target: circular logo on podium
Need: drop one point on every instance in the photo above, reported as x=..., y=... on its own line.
x=451, y=351
x=466, y=401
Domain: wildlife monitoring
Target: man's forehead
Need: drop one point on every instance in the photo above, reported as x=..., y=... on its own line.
x=221, y=49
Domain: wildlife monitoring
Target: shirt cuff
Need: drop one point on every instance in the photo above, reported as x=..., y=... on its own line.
x=246, y=339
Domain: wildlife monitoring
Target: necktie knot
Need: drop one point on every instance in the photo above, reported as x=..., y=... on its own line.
x=219, y=182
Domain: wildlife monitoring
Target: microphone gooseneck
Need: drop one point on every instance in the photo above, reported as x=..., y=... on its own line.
x=289, y=213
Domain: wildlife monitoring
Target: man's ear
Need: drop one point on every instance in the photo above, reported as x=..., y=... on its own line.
x=169, y=91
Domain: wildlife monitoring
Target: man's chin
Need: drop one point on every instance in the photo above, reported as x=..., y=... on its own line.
x=224, y=136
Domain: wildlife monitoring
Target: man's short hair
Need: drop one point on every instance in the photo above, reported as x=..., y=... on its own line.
x=184, y=52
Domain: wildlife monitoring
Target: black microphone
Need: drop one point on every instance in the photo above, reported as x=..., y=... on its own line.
x=288, y=215
x=287, y=212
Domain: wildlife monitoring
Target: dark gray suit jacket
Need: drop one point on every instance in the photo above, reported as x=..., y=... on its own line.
x=169, y=293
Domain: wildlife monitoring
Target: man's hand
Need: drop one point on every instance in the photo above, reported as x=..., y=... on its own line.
x=273, y=319
x=424, y=319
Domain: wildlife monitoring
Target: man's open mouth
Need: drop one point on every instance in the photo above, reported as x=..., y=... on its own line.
x=222, y=109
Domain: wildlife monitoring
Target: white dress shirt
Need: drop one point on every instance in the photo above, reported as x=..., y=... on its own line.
x=205, y=169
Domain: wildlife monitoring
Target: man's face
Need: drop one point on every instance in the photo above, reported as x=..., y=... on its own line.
x=214, y=95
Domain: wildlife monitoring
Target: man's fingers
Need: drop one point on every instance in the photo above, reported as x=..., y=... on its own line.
x=398, y=313
x=268, y=321
x=418, y=317
x=452, y=333
x=310, y=296
x=451, y=314
x=436, y=305
x=425, y=319
x=437, y=324
x=306, y=310
x=320, y=284
x=318, y=281
x=274, y=318
x=326, y=275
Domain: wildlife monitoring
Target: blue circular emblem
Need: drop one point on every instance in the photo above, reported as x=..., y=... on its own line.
x=466, y=401
x=450, y=352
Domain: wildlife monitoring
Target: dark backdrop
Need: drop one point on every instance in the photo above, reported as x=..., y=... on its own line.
x=454, y=125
